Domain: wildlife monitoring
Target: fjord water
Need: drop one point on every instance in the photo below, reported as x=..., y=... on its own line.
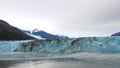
x=78, y=60
x=89, y=52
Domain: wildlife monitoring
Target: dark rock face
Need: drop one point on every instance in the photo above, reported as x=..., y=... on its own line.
x=8, y=32
x=116, y=34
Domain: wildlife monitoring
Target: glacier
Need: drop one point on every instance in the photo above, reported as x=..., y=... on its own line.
x=68, y=46
x=105, y=50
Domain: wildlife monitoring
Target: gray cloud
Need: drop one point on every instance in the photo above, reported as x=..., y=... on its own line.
x=92, y=17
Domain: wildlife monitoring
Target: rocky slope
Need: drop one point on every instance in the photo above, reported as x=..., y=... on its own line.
x=116, y=34
x=8, y=32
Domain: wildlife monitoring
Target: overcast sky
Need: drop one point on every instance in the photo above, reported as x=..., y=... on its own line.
x=74, y=18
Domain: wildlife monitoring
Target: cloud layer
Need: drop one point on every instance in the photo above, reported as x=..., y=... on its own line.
x=66, y=17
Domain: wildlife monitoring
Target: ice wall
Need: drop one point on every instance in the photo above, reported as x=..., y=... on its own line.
x=85, y=44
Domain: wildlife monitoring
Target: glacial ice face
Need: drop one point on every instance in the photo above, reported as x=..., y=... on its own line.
x=10, y=46
x=85, y=44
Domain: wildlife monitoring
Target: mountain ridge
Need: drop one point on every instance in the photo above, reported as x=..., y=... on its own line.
x=116, y=34
x=9, y=32
x=46, y=35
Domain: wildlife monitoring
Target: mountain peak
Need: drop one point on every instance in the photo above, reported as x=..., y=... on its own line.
x=46, y=35
x=4, y=23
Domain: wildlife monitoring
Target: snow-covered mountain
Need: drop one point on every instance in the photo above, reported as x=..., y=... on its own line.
x=46, y=35
x=8, y=32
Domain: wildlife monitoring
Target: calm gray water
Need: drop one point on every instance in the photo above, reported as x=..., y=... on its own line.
x=49, y=64
x=78, y=60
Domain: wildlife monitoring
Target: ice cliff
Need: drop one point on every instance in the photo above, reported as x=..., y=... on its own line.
x=84, y=44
